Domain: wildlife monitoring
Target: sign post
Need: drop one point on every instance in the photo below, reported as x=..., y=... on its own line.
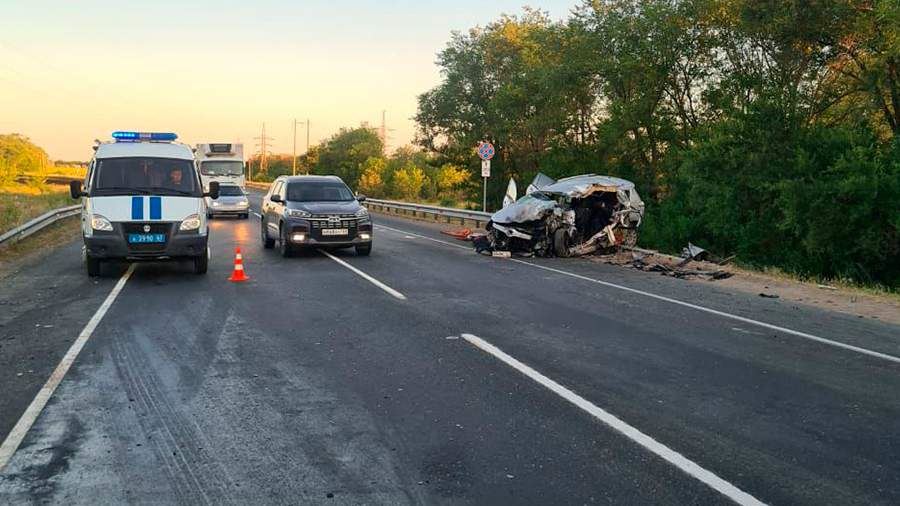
x=485, y=152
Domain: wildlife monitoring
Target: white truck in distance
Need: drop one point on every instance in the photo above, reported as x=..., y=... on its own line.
x=222, y=162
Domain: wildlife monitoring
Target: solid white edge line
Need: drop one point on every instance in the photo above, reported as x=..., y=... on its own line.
x=669, y=455
x=370, y=279
x=811, y=337
x=18, y=432
x=797, y=333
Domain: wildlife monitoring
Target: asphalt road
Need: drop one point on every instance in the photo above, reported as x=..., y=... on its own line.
x=443, y=377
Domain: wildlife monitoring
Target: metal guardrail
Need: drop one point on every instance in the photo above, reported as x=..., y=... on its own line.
x=416, y=210
x=392, y=206
x=42, y=221
x=449, y=213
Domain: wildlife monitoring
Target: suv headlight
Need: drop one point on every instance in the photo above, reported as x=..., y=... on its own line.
x=100, y=223
x=362, y=213
x=191, y=222
x=297, y=213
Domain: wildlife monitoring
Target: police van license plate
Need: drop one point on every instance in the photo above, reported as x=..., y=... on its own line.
x=146, y=238
x=334, y=231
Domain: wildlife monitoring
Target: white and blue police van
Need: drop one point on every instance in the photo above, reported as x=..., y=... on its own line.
x=142, y=200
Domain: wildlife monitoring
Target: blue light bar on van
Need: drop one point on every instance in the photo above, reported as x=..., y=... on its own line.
x=121, y=136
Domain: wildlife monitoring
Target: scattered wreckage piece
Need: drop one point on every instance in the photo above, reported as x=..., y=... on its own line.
x=463, y=234
x=692, y=252
x=678, y=270
x=574, y=216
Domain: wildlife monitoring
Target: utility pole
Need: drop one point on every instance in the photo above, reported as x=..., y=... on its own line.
x=294, y=165
x=294, y=152
x=383, y=131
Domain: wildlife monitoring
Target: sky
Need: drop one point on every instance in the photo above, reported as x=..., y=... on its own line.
x=72, y=72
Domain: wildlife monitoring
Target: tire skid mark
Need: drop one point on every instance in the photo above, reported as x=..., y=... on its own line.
x=163, y=451
x=172, y=423
x=164, y=415
x=198, y=477
x=196, y=438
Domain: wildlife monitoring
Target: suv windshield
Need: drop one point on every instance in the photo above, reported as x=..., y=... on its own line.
x=222, y=168
x=137, y=175
x=319, y=191
x=230, y=191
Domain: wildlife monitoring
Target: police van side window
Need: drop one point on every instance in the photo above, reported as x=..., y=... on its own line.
x=89, y=175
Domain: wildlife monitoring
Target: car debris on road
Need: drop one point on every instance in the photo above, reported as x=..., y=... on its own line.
x=574, y=216
x=640, y=261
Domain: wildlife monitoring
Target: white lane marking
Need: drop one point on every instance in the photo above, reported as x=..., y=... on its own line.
x=811, y=337
x=17, y=434
x=797, y=333
x=424, y=237
x=669, y=455
x=257, y=214
x=370, y=279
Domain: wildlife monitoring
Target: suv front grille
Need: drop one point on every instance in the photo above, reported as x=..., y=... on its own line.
x=327, y=221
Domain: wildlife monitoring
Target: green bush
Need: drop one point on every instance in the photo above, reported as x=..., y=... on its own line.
x=817, y=201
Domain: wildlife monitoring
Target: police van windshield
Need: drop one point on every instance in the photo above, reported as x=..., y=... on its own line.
x=319, y=192
x=144, y=175
x=222, y=168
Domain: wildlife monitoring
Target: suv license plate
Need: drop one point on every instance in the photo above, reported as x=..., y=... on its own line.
x=334, y=231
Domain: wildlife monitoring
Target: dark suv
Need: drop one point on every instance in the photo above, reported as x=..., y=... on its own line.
x=314, y=211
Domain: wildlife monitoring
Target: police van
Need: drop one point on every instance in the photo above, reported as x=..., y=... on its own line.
x=142, y=200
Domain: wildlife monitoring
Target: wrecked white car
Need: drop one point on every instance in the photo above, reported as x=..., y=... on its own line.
x=570, y=217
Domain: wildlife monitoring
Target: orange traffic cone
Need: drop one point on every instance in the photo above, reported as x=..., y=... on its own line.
x=238, y=273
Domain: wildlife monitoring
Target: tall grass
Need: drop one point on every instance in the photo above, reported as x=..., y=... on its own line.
x=20, y=203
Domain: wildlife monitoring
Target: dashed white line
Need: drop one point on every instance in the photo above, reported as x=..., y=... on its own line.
x=370, y=279
x=17, y=434
x=669, y=455
x=750, y=321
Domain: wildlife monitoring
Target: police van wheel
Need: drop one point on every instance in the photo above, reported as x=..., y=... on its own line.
x=92, y=265
x=201, y=264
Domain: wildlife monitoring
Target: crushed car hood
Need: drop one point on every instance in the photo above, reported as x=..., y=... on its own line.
x=532, y=207
x=582, y=186
x=527, y=208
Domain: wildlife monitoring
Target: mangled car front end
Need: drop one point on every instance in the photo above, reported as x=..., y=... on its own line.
x=570, y=217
